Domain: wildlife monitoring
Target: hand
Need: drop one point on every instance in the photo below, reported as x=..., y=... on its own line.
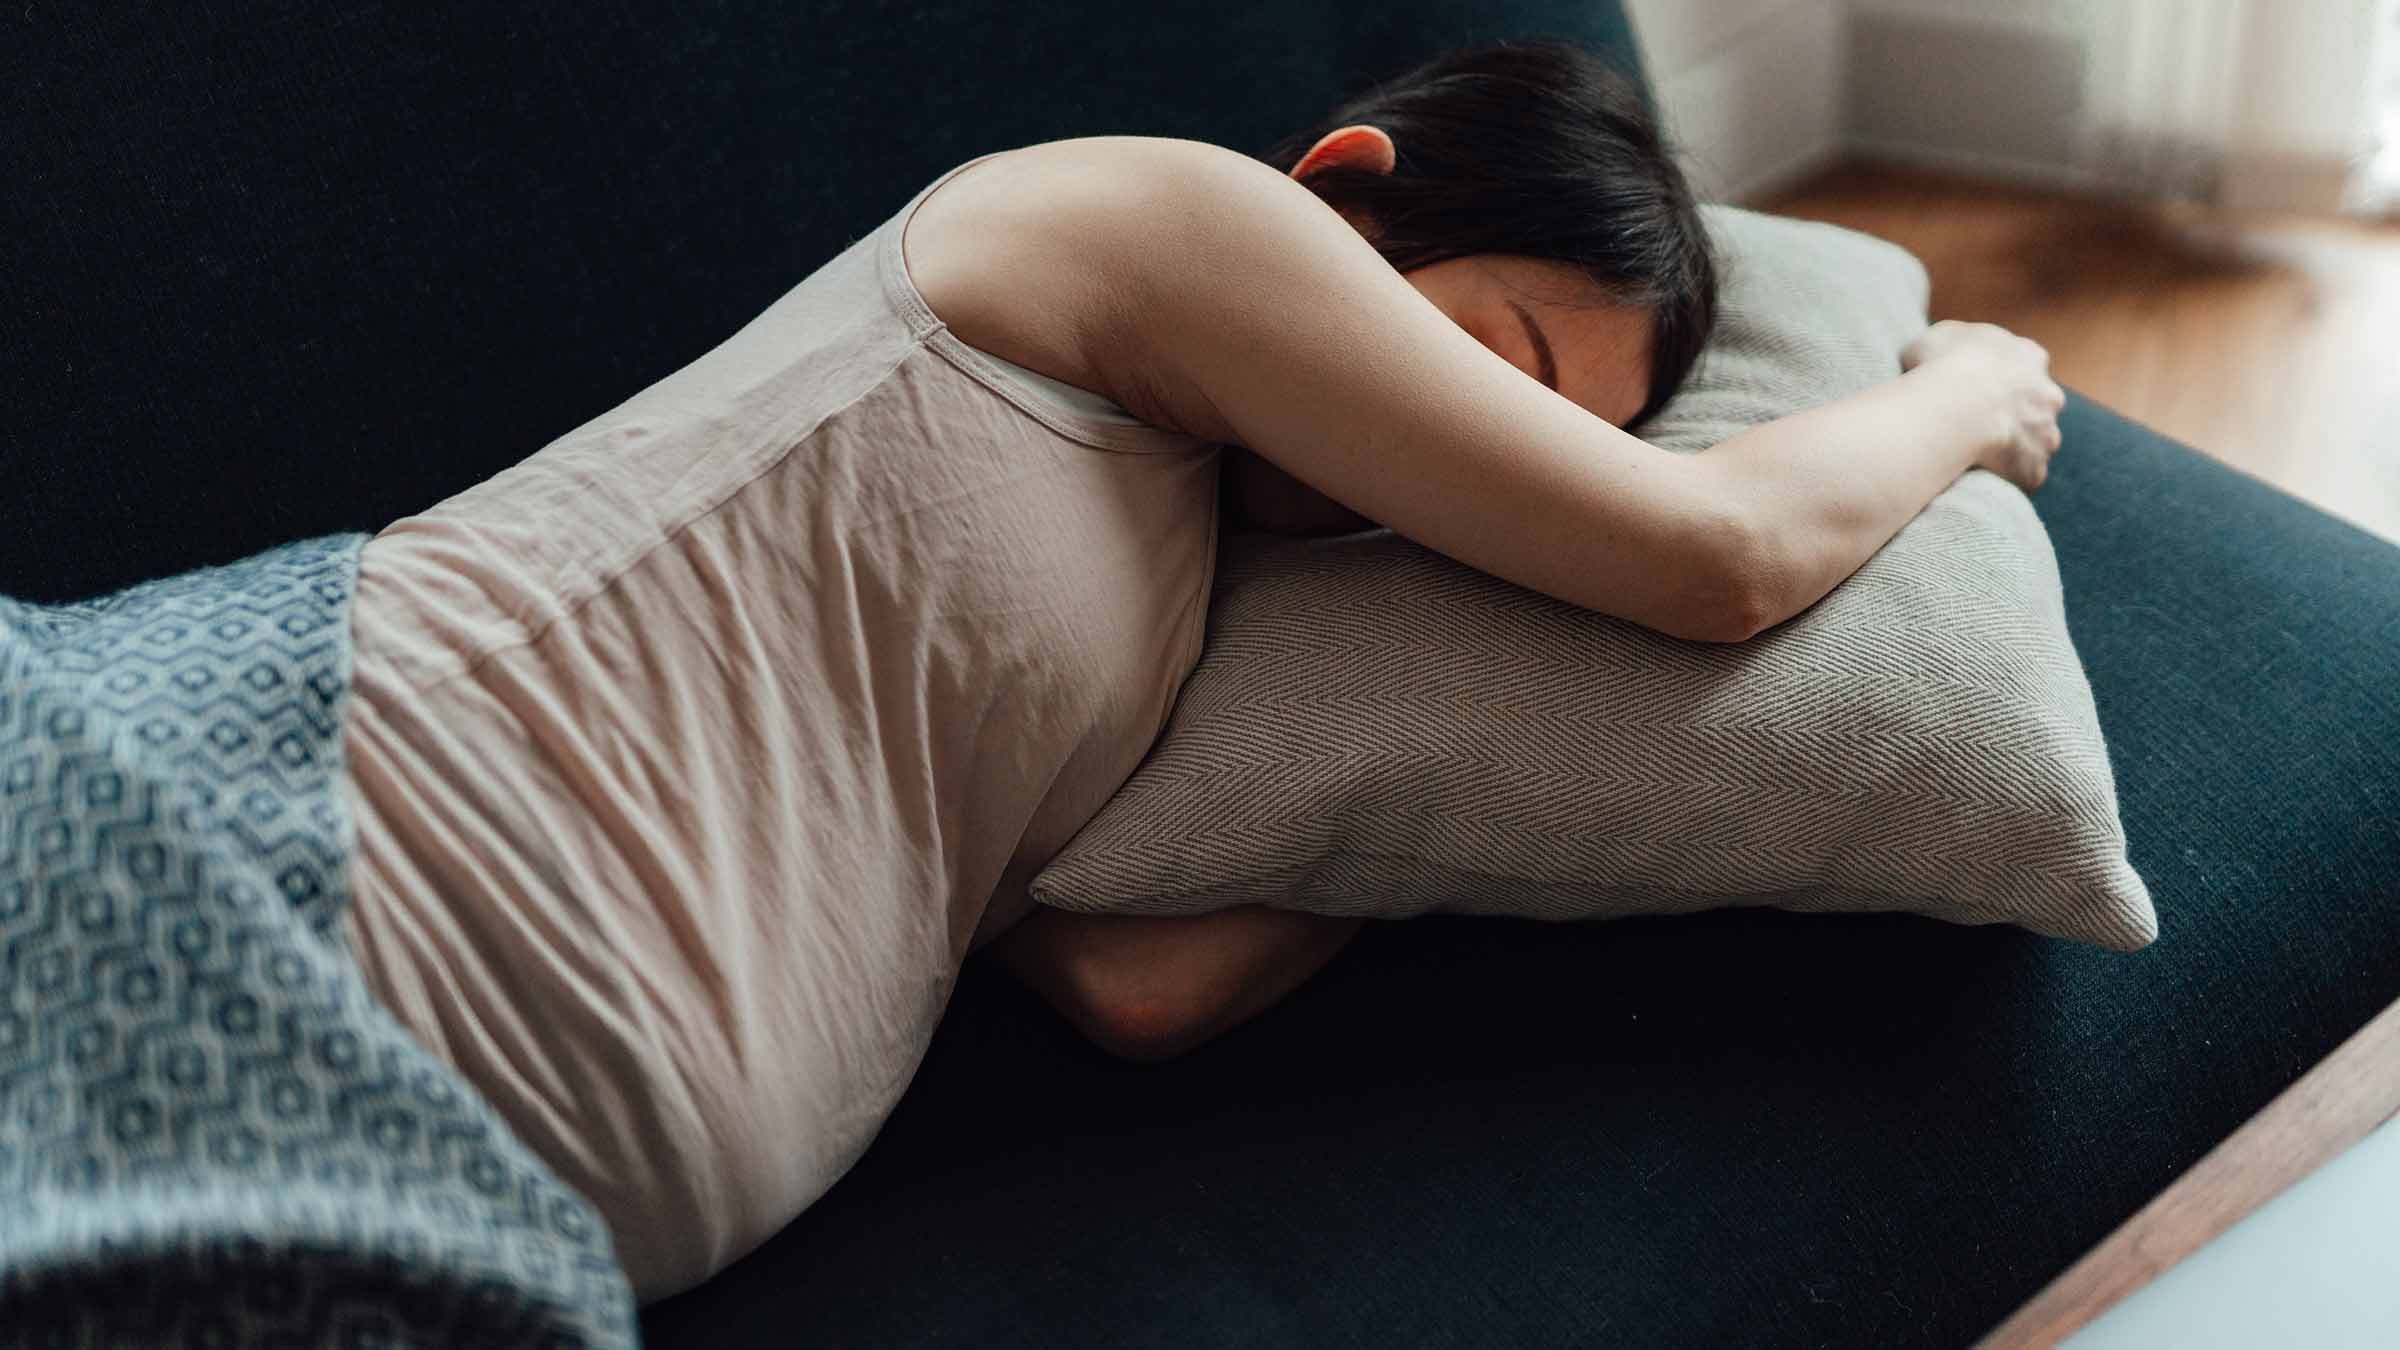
x=2012, y=374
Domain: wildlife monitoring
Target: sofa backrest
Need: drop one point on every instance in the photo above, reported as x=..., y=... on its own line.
x=275, y=269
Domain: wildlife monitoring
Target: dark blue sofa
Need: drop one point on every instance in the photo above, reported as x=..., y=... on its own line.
x=273, y=270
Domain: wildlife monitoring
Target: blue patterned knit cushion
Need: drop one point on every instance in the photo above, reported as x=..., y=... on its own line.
x=210, y=1133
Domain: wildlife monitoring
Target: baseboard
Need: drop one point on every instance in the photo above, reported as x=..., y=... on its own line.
x=2316, y=183
x=2006, y=169
x=1762, y=186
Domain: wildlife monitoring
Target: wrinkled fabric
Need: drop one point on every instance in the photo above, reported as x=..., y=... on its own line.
x=692, y=755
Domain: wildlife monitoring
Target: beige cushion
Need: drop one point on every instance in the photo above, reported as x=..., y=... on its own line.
x=1373, y=729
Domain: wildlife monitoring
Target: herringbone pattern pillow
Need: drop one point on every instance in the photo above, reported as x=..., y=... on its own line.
x=1374, y=729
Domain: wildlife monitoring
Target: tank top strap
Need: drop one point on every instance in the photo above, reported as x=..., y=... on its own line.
x=1087, y=426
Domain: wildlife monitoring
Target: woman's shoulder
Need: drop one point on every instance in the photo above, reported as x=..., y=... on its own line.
x=1082, y=170
x=1037, y=254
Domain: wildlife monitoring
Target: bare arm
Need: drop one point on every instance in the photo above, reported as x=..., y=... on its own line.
x=1282, y=327
x=1148, y=988
x=1267, y=318
x=1827, y=488
x=1328, y=363
x=1205, y=291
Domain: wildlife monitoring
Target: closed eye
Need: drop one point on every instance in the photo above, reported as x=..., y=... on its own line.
x=1548, y=364
x=1505, y=350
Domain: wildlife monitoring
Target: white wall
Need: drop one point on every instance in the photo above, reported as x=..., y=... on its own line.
x=2303, y=122
x=1761, y=92
x=1750, y=89
x=1995, y=86
x=2301, y=80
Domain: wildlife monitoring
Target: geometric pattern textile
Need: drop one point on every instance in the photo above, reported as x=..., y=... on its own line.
x=210, y=1133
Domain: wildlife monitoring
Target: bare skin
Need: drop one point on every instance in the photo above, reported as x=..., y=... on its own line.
x=1598, y=348
x=1205, y=292
x=1174, y=279
x=1148, y=989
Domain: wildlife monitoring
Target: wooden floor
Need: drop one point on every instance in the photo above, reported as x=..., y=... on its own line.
x=2273, y=344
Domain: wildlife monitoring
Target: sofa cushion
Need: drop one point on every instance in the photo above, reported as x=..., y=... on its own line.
x=1373, y=729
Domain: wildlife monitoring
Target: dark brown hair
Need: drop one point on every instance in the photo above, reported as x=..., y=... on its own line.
x=1535, y=147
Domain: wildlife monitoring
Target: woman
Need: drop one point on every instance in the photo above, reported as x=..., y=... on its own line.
x=690, y=757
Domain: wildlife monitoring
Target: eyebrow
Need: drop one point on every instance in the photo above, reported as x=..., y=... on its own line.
x=1541, y=346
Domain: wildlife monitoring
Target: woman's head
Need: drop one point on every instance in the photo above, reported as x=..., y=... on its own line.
x=1525, y=188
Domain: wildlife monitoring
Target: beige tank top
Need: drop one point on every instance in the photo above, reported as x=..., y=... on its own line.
x=692, y=755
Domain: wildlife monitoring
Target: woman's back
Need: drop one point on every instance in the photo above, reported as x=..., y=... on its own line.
x=687, y=754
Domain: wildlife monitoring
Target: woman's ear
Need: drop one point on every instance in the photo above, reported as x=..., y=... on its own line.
x=1358, y=147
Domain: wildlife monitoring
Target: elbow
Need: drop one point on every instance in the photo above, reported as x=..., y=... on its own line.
x=1745, y=616
x=1742, y=588
x=1111, y=979
x=1143, y=1031
x=1133, y=1013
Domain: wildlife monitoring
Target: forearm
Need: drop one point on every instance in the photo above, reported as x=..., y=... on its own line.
x=1823, y=490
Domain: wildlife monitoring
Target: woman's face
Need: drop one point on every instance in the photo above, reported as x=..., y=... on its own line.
x=1551, y=322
